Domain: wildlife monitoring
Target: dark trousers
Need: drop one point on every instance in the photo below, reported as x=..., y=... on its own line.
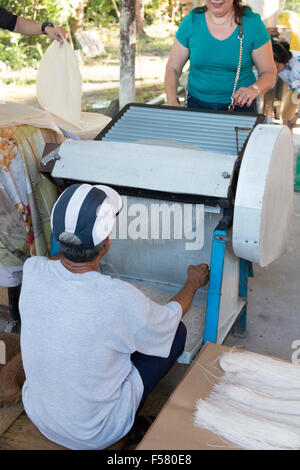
x=153, y=368
x=195, y=103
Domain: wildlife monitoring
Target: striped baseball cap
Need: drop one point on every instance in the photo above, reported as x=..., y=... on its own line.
x=87, y=211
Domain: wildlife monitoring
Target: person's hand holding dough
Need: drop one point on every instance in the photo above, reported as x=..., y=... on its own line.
x=57, y=34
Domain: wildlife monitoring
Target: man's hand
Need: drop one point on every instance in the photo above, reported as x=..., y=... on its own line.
x=57, y=34
x=198, y=275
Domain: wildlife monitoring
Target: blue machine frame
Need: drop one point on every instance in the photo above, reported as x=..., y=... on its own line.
x=220, y=237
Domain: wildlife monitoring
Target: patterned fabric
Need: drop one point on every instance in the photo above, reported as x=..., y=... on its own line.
x=26, y=198
x=291, y=74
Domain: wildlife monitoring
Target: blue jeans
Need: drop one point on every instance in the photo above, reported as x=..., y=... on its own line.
x=195, y=103
x=153, y=368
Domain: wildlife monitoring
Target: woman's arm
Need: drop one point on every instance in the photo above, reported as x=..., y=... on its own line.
x=178, y=57
x=267, y=72
x=32, y=28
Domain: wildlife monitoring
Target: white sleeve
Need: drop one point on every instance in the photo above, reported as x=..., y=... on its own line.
x=156, y=336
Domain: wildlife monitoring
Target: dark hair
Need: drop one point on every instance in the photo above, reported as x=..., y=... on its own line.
x=281, y=50
x=238, y=9
x=78, y=254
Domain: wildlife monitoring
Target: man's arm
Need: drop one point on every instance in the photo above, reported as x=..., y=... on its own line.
x=197, y=277
x=32, y=28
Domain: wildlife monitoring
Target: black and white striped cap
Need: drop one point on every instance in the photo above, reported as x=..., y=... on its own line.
x=87, y=211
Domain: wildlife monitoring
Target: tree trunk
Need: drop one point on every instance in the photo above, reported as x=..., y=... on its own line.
x=127, y=52
x=35, y=10
x=116, y=8
x=86, y=7
x=140, y=13
x=77, y=22
x=170, y=9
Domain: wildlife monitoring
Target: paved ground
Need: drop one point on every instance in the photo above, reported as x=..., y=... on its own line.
x=274, y=302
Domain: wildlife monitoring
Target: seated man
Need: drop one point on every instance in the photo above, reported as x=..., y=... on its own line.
x=93, y=347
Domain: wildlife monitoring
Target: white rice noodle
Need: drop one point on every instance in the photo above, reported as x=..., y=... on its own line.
x=266, y=370
x=255, y=405
x=245, y=430
x=251, y=397
x=250, y=380
x=250, y=401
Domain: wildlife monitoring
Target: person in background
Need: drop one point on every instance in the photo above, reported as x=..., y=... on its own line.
x=209, y=38
x=288, y=68
x=26, y=27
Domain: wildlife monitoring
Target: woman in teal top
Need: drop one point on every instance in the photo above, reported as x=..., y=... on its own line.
x=209, y=38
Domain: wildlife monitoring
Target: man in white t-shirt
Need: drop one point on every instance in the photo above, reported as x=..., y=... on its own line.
x=93, y=347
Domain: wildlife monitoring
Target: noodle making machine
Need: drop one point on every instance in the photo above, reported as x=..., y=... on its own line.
x=197, y=187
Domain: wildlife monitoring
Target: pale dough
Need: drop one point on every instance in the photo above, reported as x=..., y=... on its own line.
x=59, y=83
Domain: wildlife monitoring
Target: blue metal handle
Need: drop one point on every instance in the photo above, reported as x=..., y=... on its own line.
x=215, y=285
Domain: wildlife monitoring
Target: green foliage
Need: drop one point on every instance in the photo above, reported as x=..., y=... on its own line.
x=24, y=8
x=290, y=4
x=16, y=52
x=57, y=11
x=102, y=12
x=155, y=9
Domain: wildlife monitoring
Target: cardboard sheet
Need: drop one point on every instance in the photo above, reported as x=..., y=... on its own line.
x=174, y=427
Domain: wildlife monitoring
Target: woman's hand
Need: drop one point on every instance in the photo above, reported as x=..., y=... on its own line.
x=245, y=96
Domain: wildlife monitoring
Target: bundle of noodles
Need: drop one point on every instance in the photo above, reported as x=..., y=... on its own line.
x=246, y=430
x=263, y=369
x=256, y=404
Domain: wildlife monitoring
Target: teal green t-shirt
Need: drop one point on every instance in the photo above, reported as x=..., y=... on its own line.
x=213, y=62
